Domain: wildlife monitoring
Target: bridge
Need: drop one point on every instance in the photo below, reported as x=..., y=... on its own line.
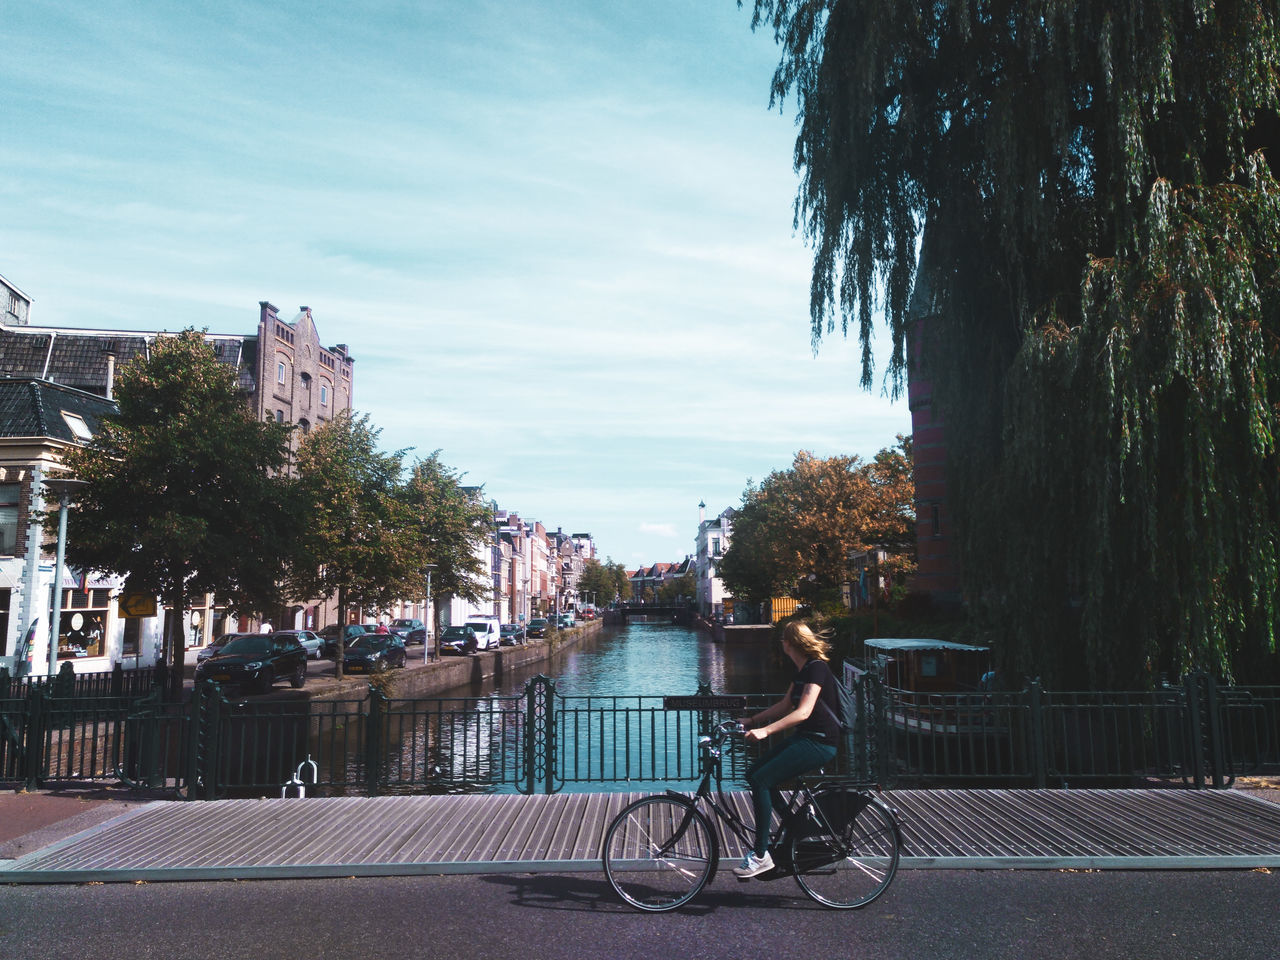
x=679, y=611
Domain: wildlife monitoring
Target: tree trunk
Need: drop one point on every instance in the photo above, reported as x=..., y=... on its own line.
x=342, y=631
x=177, y=653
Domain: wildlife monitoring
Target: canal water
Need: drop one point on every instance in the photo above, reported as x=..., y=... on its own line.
x=607, y=720
x=650, y=659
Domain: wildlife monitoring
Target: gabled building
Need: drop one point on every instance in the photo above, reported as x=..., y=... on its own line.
x=39, y=422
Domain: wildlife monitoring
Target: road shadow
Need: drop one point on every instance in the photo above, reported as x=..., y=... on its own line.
x=591, y=893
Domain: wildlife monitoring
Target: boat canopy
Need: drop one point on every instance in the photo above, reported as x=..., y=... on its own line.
x=916, y=643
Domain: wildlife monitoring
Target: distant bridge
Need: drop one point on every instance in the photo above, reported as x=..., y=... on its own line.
x=681, y=611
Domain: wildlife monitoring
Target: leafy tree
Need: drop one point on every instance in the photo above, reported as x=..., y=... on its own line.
x=184, y=493
x=450, y=525
x=1092, y=192
x=605, y=580
x=358, y=542
x=804, y=522
x=678, y=588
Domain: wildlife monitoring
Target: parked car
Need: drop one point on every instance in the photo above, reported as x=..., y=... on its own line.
x=487, y=634
x=511, y=634
x=311, y=642
x=459, y=639
x=257, y=660
x=329, y=635
x=537, y=627
x=216, y=645
x=410, y=630
x=567, y=620
x=588, y=613
x=373, y=653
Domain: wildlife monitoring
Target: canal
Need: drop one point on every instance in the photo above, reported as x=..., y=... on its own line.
x=605, y=726
x=650, y=659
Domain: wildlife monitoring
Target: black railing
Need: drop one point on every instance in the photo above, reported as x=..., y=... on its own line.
x=209, y=746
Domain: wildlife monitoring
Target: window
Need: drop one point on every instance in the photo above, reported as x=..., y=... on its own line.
x=324, y=394
x=279, y=416
x=305, y=426
x=715, y=546
x=306, y=381
x=79, y=429
x=280, y=371
x=10, y=495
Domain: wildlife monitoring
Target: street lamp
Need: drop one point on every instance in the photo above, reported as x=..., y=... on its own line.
x=62, y=488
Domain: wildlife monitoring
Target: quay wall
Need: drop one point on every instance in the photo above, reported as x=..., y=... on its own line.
x=424, y=679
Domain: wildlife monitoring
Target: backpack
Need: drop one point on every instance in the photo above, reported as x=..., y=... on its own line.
x=848, y=715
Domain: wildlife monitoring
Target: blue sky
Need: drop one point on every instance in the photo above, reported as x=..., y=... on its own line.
x=556, y=235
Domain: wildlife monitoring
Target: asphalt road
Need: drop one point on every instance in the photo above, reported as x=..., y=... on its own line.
x=926, y=915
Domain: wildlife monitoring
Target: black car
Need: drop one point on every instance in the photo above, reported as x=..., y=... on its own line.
x=459, y=639
x=257, y=661
x=330, y=637
x=373, y=653
x=537, y=627
x=410, y=630
x=511, y=634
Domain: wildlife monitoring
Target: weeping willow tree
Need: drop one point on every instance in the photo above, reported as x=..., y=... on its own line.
x=1073, y=205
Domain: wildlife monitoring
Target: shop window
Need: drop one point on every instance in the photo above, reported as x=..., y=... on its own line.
x=4, y=622
x=10, y=495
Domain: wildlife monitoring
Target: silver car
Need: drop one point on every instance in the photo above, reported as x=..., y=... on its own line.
x=311, y=642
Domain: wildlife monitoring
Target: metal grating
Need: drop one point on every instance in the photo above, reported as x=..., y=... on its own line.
x=378, y=836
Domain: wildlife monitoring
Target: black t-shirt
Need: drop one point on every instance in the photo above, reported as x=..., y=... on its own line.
x=820, y=722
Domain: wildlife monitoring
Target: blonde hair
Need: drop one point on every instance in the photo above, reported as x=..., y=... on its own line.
x=812, y=643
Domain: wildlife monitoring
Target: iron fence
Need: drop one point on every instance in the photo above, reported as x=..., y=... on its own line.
x=210, y=746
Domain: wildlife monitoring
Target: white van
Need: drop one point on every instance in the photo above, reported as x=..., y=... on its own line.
x=488, y=631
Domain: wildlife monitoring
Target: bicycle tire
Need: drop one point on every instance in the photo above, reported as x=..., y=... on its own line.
x=659, y=853
x=852, y=863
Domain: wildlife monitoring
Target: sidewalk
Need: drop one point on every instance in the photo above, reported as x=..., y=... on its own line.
x=32, y=821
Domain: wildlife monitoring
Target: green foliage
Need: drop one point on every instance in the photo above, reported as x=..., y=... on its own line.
x=358, y=542
x=184, y=494
x=804, y=522
x=1092, y=191
x=605, y=580
x=449, y=525
x=676, y=588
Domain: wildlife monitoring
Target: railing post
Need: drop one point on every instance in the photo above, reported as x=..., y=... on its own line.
x=1193, y=741
x=117, y=680
x=1039, y=746
x=203, y=745
x=375, y=733
x=539, y=736
x=37, y=721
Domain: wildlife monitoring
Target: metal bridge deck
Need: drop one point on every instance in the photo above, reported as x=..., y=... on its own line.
x=381, y=836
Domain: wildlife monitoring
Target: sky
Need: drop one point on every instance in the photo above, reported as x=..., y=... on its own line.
x=557, y=235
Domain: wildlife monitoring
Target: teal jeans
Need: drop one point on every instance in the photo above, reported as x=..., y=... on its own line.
x=789, y=759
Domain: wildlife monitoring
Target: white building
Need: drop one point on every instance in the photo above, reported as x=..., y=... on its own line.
x=711, y=544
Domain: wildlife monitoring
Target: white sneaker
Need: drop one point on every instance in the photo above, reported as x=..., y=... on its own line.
x=753, y=866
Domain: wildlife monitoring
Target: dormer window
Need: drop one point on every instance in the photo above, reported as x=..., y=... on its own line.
x=79, y=429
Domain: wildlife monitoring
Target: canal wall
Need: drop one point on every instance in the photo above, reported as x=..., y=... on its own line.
x=721, y=632
x=424, y=679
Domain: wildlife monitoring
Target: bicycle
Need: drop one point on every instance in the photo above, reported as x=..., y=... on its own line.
x=838, y=840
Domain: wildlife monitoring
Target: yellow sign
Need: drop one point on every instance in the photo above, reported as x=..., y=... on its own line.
x=134, y=605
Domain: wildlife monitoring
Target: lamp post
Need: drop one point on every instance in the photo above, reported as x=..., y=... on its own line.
x=62, y=488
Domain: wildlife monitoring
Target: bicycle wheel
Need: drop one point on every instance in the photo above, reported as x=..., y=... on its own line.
x=658, y=853
x=848, y=856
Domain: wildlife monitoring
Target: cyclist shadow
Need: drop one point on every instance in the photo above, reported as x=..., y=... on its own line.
x=593, y=894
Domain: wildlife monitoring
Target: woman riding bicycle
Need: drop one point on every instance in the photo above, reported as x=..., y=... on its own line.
x=811, y=707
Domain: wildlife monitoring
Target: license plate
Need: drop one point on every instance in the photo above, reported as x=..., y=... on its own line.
x=222, y=677
x=354, y=669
